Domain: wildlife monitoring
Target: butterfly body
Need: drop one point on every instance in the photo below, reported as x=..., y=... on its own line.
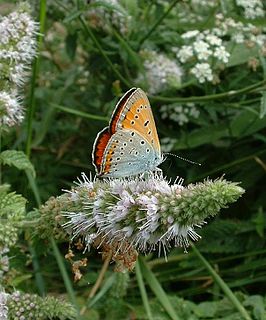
x=130, y=144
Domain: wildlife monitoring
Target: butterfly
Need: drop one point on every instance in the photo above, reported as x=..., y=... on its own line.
x=130, y=144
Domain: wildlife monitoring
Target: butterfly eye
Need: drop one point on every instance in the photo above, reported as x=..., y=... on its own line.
x=138, y=110
x=132, y=122
x=124, y=144
x=130, y=140
x=132, y=134
x=136, y=116
x=142, y=141
x=147, y=150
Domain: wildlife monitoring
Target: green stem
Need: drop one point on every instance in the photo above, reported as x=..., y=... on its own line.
x=79, y=113
x=89, y=33
x=229, y=165
x=37, y=271
x=230, y=295
x=157, y=289
x=35, y=261
x=35, y=71
x=156, y=24
x=143, y=291
x=223, y=95
x=23, y=224
x=60, y=262
x=64, y=274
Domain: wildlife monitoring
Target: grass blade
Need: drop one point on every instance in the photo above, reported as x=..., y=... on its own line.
x=62, y=267
x=157, y=289
x=90, y=34
x=143, y=291
x=157, y=23
x=230, y=295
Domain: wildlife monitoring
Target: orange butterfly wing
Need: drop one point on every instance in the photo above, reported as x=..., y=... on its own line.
x=132, y=112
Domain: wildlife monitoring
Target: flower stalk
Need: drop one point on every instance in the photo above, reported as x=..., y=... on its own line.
x=17, y=50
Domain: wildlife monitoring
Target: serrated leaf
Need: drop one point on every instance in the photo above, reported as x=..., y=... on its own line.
x=12, y=205
x=17, y=159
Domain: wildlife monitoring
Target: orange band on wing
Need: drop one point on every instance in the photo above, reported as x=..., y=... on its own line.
x=99, y=148
x=119, y=108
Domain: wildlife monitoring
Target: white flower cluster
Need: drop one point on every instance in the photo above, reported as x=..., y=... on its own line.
x=3, y=306
x=206, y=48
x=17, y=49
x=111, y=11
x=179, y=113
x=132, y=211
x=167, y=144
x=193, y=11
x=161, y=72
x=17, y=44
x=11, y=112
x=4, y=263
x=145, y=212
x=239, y=32
x=252, y=8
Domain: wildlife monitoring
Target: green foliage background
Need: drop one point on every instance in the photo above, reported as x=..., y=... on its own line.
x=77, y=78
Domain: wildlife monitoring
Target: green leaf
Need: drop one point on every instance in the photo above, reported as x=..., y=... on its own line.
x=17, y=159
x=71, y=45
x=257, y=303
x=247, y=123
x=240, y=54
x=12, y=205
x=259, y=221
x=202, y=136
x=206, y=309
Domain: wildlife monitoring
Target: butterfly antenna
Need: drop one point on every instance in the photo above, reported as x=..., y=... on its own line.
x=190, y=161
